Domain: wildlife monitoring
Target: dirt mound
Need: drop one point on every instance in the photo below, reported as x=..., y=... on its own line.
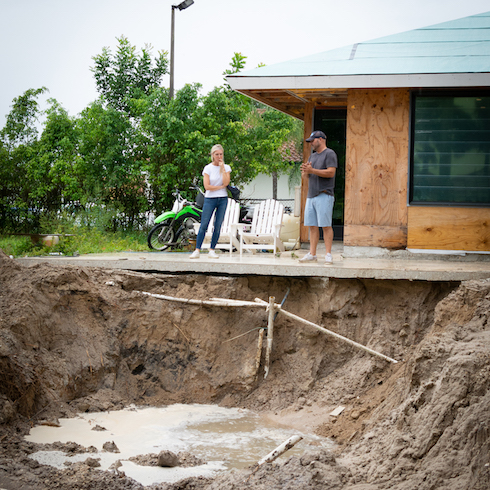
x=84, y=339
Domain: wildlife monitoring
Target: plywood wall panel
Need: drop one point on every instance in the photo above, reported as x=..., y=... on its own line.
x=392, y=237
x=377, y=163
x=448, y=228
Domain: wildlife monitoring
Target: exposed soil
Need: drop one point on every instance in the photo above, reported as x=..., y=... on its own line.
x=84, y=339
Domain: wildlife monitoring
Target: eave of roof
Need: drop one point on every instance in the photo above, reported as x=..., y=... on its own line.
x=451, y=54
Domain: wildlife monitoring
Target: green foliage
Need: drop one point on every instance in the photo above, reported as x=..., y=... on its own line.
x=18, y=154
x=20, y=128
x=237, y=64
x=16, y=246
x=126, y=76
x=126, y=153
x=84, y=242
x=110, y=162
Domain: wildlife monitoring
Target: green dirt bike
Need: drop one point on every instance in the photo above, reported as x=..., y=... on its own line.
x=175, y=228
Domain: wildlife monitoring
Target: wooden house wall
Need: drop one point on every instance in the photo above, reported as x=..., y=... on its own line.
x=376, y=213
x=448, y=228
x=377, y=168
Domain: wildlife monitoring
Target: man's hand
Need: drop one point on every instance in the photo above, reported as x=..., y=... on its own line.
x=306, y=168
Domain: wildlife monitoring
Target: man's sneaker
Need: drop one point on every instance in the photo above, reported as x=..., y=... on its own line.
x=213, y=255
x=195, y=255
x=328, y=259
x=308, y=258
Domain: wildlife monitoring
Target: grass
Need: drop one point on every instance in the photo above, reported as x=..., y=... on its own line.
x=84, y=241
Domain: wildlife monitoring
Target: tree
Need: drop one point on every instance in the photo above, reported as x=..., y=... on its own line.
x=18, y=147
x=54, y=168
x=133, y=142
x=268, y=131
x=127, y=76
x=20, y=128
x=109, y=166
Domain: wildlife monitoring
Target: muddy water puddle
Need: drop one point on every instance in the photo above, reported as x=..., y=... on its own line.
x=225, y=438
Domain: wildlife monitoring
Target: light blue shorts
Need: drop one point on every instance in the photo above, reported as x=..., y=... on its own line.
x=319, y=210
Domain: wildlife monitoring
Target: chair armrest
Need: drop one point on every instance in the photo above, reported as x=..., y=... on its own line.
x=240, y=227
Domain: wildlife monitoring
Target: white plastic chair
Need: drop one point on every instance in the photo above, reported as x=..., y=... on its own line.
x=227, y=238
x=264, y=232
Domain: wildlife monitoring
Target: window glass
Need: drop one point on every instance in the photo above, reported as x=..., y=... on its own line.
x=451, y=150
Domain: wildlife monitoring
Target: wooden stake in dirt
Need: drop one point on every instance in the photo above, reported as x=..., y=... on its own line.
x=270, y=335
x=259, y=352
x=285, y=446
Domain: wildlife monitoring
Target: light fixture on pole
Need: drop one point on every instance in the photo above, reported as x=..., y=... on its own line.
x=181, y=6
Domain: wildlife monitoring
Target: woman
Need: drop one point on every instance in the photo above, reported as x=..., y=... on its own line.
x=216, y=177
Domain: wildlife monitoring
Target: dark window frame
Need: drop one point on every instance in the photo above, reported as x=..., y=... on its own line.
x=414, y=94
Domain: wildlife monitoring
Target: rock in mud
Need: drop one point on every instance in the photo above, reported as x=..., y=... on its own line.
x=168, y=459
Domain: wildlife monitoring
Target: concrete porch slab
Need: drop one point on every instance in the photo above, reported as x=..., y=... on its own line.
x=286, y=264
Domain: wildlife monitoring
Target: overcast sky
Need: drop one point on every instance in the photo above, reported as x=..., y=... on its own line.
x=51, y=42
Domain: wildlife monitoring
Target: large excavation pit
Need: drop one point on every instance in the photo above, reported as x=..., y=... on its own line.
x=84, y=342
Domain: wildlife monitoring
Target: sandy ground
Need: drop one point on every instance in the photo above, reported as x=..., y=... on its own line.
x=81, y=340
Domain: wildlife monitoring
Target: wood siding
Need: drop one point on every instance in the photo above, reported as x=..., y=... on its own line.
x=447, y=228
x=377, y=168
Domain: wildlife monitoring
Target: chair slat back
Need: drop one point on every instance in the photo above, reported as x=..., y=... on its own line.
x=267, y=215
x=255, y=217
x=231, y=216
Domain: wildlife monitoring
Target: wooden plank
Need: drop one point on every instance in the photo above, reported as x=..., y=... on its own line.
x=377, y=162
x=393, y=237
x=448, y=228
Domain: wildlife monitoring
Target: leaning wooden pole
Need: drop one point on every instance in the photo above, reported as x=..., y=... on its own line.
x=285, y=446
x=200, y=302
x=329, y=332
x=270, y=335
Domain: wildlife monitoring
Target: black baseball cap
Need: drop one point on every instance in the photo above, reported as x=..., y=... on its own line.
x=316, y=134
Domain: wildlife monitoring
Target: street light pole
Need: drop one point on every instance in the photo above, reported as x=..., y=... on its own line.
x=181, y=6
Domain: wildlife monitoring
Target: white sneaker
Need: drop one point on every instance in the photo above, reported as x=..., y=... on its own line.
x=195, y=255
x=328, y=259
x=308, y=258
x=213, y=255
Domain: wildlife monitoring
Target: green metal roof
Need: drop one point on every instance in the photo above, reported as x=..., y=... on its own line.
x=456, y=47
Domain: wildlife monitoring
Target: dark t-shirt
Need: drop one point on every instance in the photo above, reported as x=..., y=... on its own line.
x=327, y=158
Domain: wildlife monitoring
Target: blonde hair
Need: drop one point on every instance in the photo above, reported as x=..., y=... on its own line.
x=216, y=148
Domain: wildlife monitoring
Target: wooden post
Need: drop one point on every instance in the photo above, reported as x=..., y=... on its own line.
x=259, y=352
x=308, y=128
x=270, y=335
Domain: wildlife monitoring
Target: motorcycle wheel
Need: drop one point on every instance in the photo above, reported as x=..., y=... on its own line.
x=187, y=233
x=161, y=236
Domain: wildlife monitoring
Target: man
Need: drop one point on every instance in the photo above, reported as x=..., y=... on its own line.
x=320, y=169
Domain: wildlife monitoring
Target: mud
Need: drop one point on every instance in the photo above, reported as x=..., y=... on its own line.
x=83, y=339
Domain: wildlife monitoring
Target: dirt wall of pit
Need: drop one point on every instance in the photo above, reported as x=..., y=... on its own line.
x=84, y=339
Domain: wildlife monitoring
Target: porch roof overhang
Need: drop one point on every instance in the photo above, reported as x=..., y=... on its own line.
x=448, y=55
x=290, y=94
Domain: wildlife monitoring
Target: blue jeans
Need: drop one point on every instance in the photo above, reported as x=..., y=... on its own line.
x=210, y=204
